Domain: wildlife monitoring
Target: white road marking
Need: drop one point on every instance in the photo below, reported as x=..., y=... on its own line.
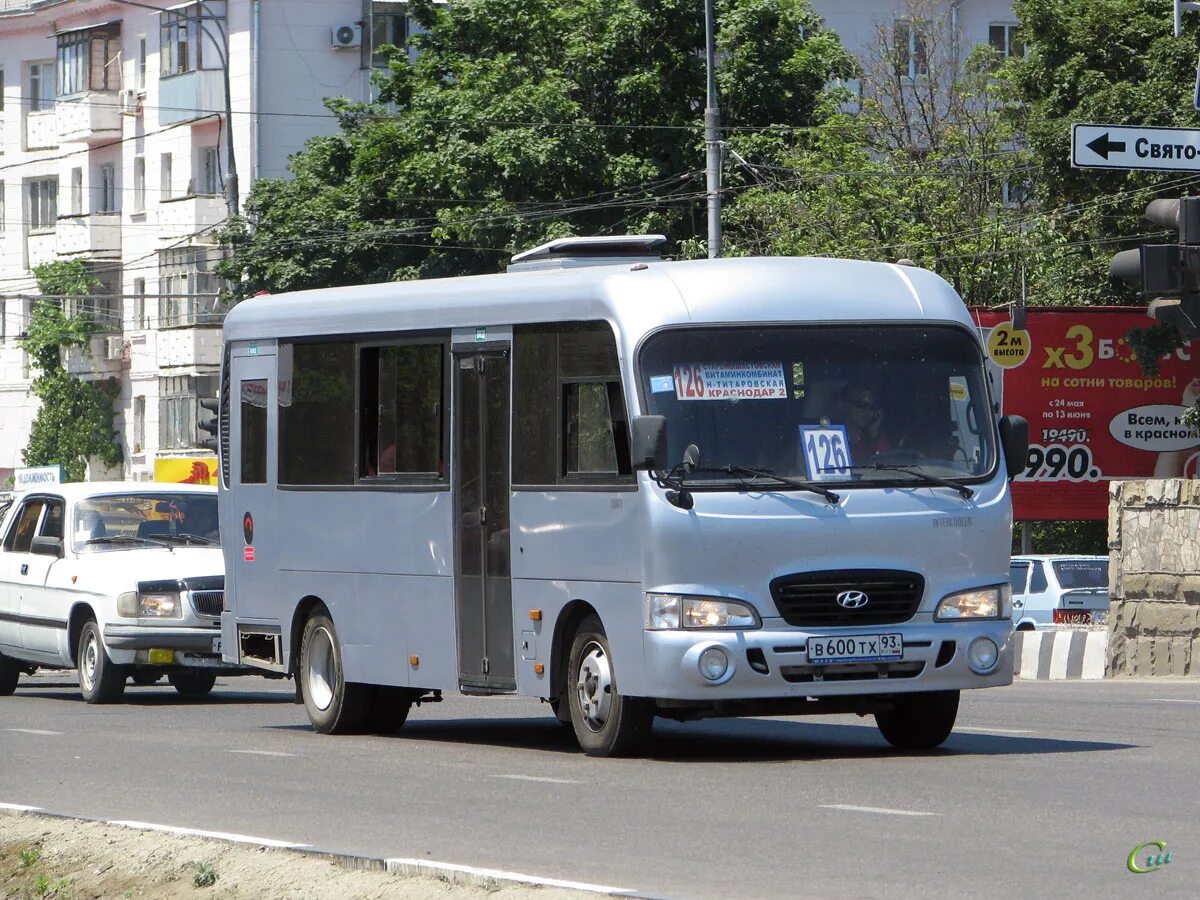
x=32, y=731
x=1171, y=700
x=983, y=730
x=219, y=835
x=474, y=874
x=17, y=807
x=878, y=809
x=262, y=752
x=538, y=778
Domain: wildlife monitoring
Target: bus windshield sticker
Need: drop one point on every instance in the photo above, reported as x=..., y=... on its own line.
x=661, y=384
x=730, y=381
x=826, y=451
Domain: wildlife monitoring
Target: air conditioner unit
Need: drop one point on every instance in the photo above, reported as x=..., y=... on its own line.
x=131, y=101
x=116, y=348
x=346, y=37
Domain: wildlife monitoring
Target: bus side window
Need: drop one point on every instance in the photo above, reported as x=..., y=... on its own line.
x=254, y=431
x=569, y=421
x=402, y=427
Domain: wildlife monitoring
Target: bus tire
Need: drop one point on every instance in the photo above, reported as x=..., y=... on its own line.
x=390, y=707
x=10, y=673
x=333, y=705
x=100, y=680
x=919, y=721
x=193, y=683
x=561, y=707
x=606, y=722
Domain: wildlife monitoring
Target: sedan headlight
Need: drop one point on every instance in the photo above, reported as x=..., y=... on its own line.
x=673, y=611
x=159, y=604
x=980, y=603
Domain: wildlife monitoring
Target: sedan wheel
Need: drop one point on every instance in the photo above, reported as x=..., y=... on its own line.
x=100, y=679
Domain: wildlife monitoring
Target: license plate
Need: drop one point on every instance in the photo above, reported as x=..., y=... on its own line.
x=216, y=645
x=1072, y=617
x=856, y=648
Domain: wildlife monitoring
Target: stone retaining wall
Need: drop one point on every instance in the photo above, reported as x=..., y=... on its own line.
x=1154, y=577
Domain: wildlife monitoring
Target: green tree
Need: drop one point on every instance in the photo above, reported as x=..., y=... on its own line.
x=523, y=120
x=75, y=419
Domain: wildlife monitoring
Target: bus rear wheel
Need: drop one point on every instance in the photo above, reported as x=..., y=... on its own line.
x=193, y=682
x=333, y=705
x=10, y=673
x=606, y=722
x=919, y=721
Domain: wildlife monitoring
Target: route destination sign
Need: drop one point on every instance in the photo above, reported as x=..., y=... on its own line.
x=1134, y=147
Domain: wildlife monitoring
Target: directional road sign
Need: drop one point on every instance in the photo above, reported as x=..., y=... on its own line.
x=1134, y=147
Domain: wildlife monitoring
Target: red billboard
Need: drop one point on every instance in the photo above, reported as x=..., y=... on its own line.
x=1093, y=414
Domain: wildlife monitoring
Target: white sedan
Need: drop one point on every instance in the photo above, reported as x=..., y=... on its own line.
x=118, y=580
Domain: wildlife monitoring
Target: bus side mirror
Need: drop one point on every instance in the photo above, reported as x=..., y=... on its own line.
x=1014, y=437
x=649, y=439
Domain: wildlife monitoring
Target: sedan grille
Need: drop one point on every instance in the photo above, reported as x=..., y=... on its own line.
x=208, y=603
x=809, y=599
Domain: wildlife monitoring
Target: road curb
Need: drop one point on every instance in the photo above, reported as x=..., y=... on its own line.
x=1059, y=655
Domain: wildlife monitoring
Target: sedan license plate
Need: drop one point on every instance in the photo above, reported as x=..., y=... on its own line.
x=856, y=648
x=216, y=645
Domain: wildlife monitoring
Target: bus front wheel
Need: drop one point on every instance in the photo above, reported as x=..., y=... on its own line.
x=333, y=705
x=919, y=721
x=606, y=722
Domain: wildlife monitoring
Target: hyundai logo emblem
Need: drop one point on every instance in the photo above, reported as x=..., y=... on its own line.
x=852, y=599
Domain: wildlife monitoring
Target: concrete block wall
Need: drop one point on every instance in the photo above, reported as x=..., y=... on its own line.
x=1154, y=577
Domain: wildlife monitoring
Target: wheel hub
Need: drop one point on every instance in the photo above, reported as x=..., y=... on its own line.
x=87, y=663
x=321, y=672
x=593, y=685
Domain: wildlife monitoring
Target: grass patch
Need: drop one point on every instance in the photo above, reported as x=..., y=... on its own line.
x=203, y=875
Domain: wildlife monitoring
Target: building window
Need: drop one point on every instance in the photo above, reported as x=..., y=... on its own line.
x=188, y=289
x=164, y=175
x=389, y=27
x=1006, y=40
x=210, y=171
x=139, y=184
x=1, y=207
x=89, y=60
x=318, y=399
x=190, y=37
x=1, y=90
x=43, y=204
x=138, y=438
x=912, y=57
x=1017, y=193
x=141, y=64
x=106, y=189
x=77, y=191
x=569, y=424
x=41, y=86
x=179, y=409
x=401, y=392
x=139, y=303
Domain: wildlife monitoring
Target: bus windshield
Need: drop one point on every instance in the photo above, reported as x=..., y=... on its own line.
x=842, y=404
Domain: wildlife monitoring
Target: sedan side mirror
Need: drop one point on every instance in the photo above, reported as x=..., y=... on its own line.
x=649, y=440
x=1014, y=437
x=47, y=546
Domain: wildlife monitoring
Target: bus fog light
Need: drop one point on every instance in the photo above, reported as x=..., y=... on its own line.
x=714, y=663
x=982, y=655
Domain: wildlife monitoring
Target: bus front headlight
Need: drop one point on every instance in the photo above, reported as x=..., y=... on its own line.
x=980, y=603
x=674, y=611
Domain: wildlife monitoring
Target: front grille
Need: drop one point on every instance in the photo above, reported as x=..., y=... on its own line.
x=859, y=672
x=809, y=599
x=208, y=603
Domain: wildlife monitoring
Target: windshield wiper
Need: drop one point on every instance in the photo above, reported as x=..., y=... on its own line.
x=186, y=538
x=781, y=479
x=124, y=539
x=915, y=471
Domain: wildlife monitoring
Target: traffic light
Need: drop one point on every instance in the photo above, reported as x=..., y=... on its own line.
x=1168, y=274
x=210, y=423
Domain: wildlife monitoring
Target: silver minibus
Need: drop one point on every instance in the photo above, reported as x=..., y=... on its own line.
x=630, y=487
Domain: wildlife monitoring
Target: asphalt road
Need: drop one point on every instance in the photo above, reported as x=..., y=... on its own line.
x=1043, y=790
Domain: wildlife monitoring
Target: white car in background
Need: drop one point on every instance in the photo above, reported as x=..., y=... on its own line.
x=1049, y=590
x=118, y=580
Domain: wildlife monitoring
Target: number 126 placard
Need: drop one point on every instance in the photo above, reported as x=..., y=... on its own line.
x=826, y=451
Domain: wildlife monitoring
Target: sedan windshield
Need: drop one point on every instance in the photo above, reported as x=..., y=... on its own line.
x=125, y=521
x=844, y=404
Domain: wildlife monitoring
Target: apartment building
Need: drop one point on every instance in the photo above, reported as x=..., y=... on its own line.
x=117, y=121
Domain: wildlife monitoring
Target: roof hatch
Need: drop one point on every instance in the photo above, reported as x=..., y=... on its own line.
x=572, y=252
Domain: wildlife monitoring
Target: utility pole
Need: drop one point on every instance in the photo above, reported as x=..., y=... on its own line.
x=712, y=136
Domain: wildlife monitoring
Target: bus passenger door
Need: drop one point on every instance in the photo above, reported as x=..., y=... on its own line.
x=248, y=527
x=483, y=582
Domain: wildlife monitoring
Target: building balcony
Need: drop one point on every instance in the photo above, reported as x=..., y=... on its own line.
x=41, y=130
x=191, y=95
x=102, y=358
x=90, y=116
x=40, y=247
x=189, y=345
x=188, y=215
x=95, y=235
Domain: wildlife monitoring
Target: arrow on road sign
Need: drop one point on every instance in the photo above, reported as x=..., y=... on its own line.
x=1102, y=146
